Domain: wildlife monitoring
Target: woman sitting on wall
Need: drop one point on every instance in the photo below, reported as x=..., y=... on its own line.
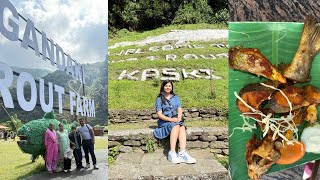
x=169, y=111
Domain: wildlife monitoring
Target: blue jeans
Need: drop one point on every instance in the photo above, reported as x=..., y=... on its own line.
x=78, y=157
x=89, y=147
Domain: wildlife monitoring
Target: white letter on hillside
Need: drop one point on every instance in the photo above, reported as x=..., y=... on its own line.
x=79, y=106
x=46, y=107
x=24, y=104
x=14, y=34
x=92, y=108
x=60, y=91
x=46, y=48
x=5, y=84
x=26, y=41
x=72, y=101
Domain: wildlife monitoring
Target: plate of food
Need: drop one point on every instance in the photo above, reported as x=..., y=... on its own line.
x=274, y=96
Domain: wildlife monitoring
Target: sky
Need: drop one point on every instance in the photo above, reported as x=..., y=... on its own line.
x=78, y=26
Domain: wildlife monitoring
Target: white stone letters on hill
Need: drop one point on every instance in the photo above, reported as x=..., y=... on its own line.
x=167, y=74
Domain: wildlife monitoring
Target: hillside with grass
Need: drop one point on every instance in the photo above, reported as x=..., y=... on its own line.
x=139, y=95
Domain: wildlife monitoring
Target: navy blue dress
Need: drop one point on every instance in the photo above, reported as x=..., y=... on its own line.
x=169, y=109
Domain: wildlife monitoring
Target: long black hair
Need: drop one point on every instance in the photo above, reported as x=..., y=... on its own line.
x=162, y=94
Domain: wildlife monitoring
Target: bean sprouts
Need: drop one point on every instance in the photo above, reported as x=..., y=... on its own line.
x=277, y=125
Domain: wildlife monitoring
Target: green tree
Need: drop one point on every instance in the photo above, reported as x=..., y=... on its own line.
x=14, y=123
x=194, y=12
x=130, y=14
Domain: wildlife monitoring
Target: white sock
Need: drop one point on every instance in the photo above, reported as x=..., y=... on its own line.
x=182, y=152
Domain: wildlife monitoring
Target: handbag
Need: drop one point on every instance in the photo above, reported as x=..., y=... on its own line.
x=176, y=115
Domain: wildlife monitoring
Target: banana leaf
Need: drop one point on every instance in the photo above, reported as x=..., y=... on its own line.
x=278, y=41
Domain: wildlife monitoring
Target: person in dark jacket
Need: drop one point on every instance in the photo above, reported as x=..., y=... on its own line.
x=75, y=144
x=5, y=135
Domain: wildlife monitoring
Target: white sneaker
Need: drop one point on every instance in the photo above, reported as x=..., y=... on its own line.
x=87, y=166
x=173, y=157
x=184, y=157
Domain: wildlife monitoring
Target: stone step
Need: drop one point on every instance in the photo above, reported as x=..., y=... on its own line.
x=156, y=166
x=134, y=116
x=215, y=138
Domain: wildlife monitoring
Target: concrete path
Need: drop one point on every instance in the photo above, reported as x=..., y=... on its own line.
x=83, y=174
x=156, y=166
x=294, y=173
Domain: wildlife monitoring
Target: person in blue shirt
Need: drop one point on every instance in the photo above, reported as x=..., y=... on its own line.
x=170, y=123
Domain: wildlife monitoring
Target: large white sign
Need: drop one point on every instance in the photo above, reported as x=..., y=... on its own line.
x=166, y=47
x=81, y=105
x=173, y=57
x=168, y=74
x=56, y=55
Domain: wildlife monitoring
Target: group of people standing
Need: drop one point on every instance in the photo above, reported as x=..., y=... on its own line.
x=6, y=135
x=61, y=146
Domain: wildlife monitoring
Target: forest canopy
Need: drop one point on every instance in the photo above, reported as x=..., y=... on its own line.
x=141, y=15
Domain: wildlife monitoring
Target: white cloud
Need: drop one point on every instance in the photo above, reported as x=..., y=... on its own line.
x=79, y=27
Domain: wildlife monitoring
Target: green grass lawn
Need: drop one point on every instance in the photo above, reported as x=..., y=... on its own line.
x=17, y=165
x=126, y=94
x=222, y=122
x=125, y=35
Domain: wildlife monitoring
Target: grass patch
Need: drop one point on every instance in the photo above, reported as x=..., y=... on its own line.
x=137, y=95
x=190, y=123
x=125, y=35
x=101, y=143
x=193, y=93
x=112, y=155
x=223, y=160
x=114, y=54
x=17, y=165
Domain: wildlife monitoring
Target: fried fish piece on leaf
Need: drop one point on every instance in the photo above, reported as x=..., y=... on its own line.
x=254, y=95
x=251, y=60
x=291, y=153
x=311, y=114
x=312, y=94
x=298, y=116
x=260, y=156
x=296, y=96
x=299, y=68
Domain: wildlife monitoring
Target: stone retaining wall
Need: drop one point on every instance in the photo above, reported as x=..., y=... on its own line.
x=215, y=138
x=134, y=116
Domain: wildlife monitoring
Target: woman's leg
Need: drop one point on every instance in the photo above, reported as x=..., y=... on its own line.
x=182, y=138
x=174, y=137
x=49, y=164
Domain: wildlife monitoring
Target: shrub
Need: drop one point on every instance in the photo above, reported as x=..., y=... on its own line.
x=222, y=16
x=150, y=145
x=112, y=154
x=194, y=13
x=156, y=82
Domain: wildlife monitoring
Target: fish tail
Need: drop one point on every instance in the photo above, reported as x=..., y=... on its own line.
x=311, y=31
x=316, y=38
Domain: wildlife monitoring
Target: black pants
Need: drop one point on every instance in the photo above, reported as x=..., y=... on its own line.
x=89, y=147
x=67, y=163
x=78, y=157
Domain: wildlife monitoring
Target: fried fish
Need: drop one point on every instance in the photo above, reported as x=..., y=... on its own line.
x=299, y=68
x=251, y=60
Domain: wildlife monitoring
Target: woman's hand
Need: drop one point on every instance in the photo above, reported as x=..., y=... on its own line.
x=174, y=120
